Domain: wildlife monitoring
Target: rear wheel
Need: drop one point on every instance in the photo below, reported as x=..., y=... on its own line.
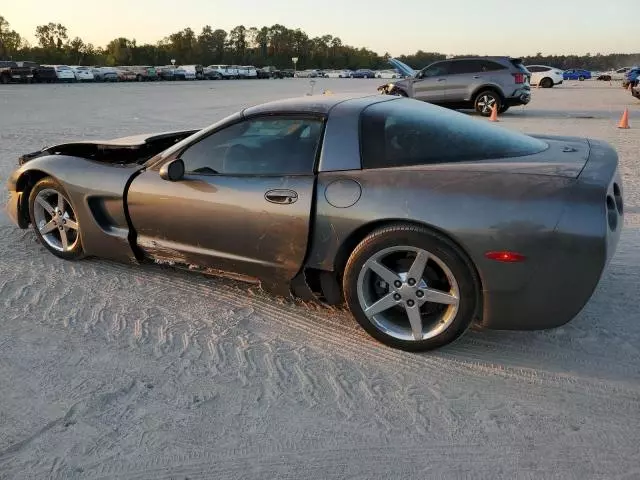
x=546, y=83
x=411, y=288
x=485, y=102
x=54, y=219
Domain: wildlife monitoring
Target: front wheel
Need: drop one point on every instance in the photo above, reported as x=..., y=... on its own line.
x=485, y=101
x=411, y=288
x=54, y=219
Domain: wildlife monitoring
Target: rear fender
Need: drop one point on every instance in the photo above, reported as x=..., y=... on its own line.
x=486, y=86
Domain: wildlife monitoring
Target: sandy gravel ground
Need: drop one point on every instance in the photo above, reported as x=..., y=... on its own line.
x=115, y=371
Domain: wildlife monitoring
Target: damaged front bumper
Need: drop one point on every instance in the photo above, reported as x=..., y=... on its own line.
x=13, y=209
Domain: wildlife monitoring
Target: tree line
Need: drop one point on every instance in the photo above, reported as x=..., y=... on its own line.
x=274, y=45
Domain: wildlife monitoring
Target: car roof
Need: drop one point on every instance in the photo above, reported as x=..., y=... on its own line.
x=319, y=104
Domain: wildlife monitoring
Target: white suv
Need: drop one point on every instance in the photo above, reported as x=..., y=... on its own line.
x=544, y=76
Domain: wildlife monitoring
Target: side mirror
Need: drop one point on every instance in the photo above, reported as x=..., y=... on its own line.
x=173, y=170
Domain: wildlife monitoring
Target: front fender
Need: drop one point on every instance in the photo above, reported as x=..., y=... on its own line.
x=96, y=191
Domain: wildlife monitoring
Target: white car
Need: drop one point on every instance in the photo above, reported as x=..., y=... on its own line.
x=82, y=74
x=309, y=73
x=337, y=73
x=250, y=71
x=223, y=70
x=64, y=73
x=618, y=74
x=545, y=76
x=190, y=72
x=387, y=74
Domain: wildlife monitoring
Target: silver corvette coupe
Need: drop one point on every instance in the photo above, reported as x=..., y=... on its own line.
x=423, y=220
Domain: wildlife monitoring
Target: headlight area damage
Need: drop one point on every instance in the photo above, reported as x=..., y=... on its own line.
x=389, y=89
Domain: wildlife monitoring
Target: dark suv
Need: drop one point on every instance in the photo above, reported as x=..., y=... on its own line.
x=477, y=82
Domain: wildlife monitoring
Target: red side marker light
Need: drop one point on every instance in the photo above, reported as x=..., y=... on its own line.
x=505, y=256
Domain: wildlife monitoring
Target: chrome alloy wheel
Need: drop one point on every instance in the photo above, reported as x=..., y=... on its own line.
x=55, y=219
x=486, y=103
x=408, y=293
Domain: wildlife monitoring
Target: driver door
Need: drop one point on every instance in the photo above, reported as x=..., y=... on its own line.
x=430, y=84
x=243, y=205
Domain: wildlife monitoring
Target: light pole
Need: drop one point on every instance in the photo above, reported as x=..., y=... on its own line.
x=295, y=63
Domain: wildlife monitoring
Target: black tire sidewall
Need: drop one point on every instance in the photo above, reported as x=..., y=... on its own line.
x=434, y=243
x=51, y=183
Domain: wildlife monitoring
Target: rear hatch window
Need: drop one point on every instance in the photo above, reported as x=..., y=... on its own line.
x=407, y=132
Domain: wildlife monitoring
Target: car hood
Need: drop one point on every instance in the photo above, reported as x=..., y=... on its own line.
x=155, y=142
x=402, y=67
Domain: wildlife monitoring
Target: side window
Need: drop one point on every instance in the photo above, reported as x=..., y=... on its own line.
x=436, y=70
x=259, y=146
x=534, y=69
x=490, y=66
x=464, y=66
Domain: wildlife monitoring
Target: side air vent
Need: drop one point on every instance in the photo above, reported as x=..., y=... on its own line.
x=617, y=195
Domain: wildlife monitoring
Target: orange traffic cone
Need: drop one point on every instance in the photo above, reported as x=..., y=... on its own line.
x=494, y=114
x=624, y=120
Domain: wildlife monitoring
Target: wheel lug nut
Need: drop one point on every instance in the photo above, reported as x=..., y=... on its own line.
x=411, y=303
x=397, y=283
x=419, y=294
x=412, y=282
x=397, y=297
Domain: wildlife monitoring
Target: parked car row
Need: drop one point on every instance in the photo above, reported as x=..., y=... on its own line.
x=28, y=72
x=360, y=73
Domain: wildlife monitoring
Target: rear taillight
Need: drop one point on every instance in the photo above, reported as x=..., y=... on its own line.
x=519, y=77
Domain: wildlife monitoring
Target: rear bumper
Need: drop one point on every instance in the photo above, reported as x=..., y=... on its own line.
x=583, y=244
x=522, y=97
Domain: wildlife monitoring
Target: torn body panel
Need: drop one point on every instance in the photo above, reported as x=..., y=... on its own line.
x=126, y=150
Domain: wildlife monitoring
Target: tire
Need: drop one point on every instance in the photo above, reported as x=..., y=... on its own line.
x=65, y=242
x=484, y=102
x=546, y=83
x=581, y=78
x=503, y=108
x=449, y=276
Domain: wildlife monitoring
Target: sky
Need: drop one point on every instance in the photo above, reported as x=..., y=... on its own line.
x=484, y=27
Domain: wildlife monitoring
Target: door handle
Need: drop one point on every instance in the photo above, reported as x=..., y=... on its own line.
x=282, y=197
